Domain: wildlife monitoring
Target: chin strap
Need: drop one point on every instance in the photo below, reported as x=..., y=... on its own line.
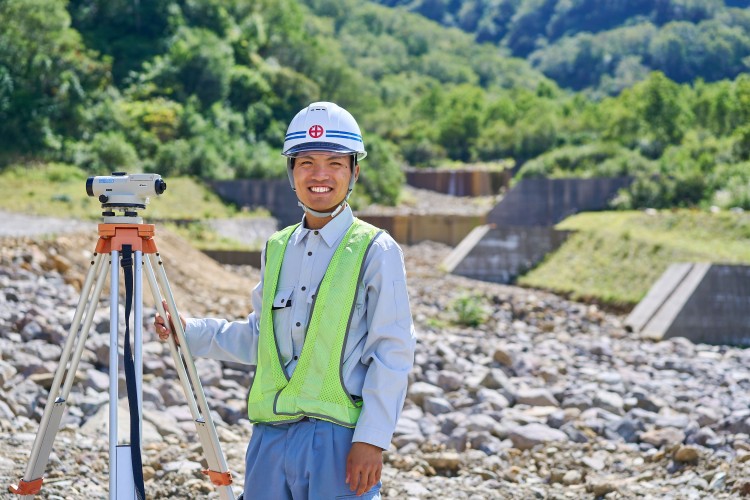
x=332, y=214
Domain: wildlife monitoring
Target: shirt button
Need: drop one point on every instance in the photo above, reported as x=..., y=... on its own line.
x=298, y=323
x=309, y=253
x=296, y=357
x=315, y=232
x=304, y=288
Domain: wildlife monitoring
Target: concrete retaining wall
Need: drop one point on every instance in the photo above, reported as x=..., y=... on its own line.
x=520, y=231
x=274, y=194
x=411, y=229
x=706, y=303
x=545, y=202
x=236, y=257
x=501, y=254
x=459, y=182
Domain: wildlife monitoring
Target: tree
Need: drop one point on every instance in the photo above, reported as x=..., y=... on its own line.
x=46, y=75
x=198, y=63
x=129, y=32
x=664, y=117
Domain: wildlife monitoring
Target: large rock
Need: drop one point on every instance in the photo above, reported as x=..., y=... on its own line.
x=535, y=397
x=610, y=401
x=663, y=437
x=418, y=391
x=527, y=436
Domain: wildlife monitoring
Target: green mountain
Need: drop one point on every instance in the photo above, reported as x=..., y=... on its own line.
x=206, y=88
x=603, y=44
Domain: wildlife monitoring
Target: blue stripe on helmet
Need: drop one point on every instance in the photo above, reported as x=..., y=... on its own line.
x=296, y=135
x=344, y=132
x=335, y=136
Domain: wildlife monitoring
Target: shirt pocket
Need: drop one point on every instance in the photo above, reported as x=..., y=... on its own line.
x=401, y=304
x=282, y=322
x=282, y=299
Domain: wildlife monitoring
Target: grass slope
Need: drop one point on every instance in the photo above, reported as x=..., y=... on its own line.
x=615, y=257
x=60, y=190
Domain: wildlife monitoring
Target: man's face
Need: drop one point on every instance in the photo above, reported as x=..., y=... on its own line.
x=321, y=179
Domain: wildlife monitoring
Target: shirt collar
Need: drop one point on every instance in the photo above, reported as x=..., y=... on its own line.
x=331, y=232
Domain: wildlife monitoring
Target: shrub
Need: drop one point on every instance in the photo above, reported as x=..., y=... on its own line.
x=380, y=173
x=107, y=152
x=470, y=310
x=591, y=160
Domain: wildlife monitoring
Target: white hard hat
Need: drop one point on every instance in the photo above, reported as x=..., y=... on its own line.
x=324, y=126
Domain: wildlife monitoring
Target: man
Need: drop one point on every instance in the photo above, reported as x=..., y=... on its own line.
x=331, y=332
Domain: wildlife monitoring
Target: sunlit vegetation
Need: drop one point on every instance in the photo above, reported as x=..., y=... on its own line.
x=205, y=88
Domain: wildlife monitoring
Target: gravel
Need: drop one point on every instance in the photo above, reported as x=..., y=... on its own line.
x=546, y=398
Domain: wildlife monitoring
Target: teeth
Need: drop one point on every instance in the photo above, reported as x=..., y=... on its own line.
x=320, y=189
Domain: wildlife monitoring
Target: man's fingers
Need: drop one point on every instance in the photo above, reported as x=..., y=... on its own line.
x=367, y=482
x=375, y=476
x=353, y=473
x=372, y=481
x=357, y=483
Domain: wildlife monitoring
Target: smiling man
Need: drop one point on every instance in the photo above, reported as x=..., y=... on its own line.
x=331, y=333
x=321, y=180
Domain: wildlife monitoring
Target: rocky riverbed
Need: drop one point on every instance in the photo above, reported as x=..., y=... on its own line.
x=544, y=398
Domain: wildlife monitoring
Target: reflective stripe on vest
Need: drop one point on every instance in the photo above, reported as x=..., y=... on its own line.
x=316, y=388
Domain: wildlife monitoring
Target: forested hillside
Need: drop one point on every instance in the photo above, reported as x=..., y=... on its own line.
x=603, y=44
x=207, y=87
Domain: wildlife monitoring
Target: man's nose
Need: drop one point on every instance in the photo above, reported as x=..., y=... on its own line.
x=320, y=172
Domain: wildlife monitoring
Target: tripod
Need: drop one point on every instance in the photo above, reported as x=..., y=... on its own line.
x=118, y=239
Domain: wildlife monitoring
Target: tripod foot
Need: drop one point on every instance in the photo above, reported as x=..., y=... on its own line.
x=27, y=487
x=219, y=478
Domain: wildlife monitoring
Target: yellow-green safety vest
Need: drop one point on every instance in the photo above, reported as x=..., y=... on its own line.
x=316, y=388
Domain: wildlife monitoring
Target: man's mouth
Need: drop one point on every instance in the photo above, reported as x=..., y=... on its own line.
x=320, y=189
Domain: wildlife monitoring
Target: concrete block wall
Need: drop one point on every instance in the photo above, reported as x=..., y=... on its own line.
x=706, y=303
x=545, y=202
x=501, y=254
x=411, y=229
x=459, y=182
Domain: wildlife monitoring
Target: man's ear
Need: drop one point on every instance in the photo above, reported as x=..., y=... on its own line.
x=356, y=172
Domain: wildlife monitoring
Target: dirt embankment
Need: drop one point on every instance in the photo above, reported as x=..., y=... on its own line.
x=201, y=286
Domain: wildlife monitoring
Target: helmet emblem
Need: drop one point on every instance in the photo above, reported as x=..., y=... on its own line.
x=315, y=131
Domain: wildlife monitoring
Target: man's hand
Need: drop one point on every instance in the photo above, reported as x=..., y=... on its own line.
x=161, y=327
x=363, y=467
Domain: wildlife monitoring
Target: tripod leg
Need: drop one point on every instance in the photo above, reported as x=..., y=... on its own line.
x=179, y=365
x=56, y=401
x=217, y=466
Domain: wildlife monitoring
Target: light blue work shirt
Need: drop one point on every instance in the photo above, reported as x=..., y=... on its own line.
x=379, y=350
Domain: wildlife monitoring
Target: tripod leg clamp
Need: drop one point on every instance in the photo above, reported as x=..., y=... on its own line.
x=219, y=478
x=27, y=488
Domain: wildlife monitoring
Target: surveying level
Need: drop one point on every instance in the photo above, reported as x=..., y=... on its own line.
x=129, y=243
